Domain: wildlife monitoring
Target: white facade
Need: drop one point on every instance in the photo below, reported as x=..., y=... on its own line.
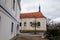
x=28, y=20
x=39, y=29
x=8, y=15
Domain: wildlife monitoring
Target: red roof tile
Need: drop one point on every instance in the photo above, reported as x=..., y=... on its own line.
x=32, y=15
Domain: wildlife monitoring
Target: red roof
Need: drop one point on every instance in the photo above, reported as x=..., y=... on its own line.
x=32, y=15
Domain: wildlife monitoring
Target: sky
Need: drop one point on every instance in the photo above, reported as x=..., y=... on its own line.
x=49, y=8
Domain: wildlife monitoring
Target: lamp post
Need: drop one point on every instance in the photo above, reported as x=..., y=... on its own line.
x=35, y=24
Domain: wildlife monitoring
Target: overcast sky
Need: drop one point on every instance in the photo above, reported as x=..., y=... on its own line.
x=49, y=8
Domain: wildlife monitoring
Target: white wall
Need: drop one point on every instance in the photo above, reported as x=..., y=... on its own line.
x=0, y=21
x=5, y=31
x=8, y=5
x=28, y=20
x=6, y=19
x=17, y=10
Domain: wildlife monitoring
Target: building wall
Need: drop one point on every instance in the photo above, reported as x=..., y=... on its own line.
x=8, y=5
x=28, y=20
x=8, y=15
x=5, y=31
x=0, y=21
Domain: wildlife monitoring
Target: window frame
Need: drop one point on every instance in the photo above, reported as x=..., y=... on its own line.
x=12, y=25
x=32, y=25
x=24, y=23
x=20, y=24
x=17, y=27
x=13, y=4
x=38, y=23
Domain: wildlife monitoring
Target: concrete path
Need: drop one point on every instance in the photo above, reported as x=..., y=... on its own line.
x=28, y=36
x=31, y=38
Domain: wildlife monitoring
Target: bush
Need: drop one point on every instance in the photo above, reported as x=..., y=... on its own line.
x=51, y=34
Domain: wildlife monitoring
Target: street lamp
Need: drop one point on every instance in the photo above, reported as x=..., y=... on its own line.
x=34, y=24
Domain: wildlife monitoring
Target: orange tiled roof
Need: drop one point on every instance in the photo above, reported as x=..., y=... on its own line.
x=32, y=15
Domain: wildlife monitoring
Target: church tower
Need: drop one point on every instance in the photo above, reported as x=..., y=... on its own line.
x=39, y=8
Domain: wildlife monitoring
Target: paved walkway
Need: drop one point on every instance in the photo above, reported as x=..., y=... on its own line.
x=30, y=38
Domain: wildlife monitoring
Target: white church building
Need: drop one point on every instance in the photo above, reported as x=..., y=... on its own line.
x=9, y=18
x=33, y=22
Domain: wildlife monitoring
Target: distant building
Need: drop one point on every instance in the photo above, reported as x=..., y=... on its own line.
x=33, y=22
x=9, y=18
